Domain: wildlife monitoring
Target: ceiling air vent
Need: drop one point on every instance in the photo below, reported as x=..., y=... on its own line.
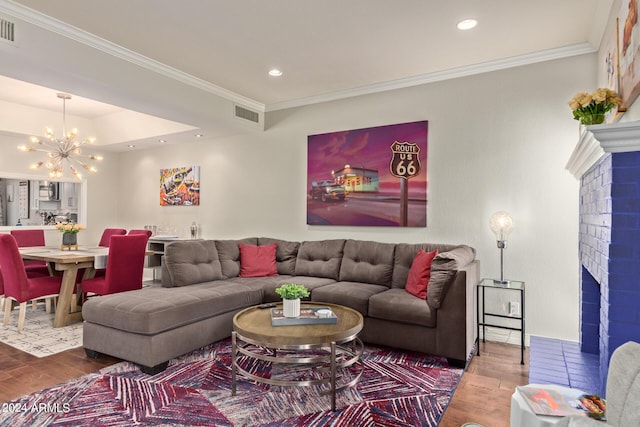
x=246, y=114
x=7, y=32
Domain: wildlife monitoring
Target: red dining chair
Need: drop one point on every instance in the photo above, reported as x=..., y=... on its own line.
x=105, y=240
x=30, y=238
x=17, y=286
x=148, y=233
x=125, y=265
x=107, y=233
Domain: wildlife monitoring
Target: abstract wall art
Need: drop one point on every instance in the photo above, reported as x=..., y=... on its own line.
x=180, y=186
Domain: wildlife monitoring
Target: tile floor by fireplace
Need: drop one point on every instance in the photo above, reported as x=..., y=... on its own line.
x=554, y=361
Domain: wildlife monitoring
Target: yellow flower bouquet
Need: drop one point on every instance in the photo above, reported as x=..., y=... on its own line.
x=590, y=108
x=69, y=227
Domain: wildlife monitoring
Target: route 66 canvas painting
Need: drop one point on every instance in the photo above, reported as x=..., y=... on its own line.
x=368, y=177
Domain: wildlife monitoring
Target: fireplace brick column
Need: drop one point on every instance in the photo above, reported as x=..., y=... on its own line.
x=607, y=162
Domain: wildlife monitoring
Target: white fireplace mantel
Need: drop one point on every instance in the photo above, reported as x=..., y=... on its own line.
x=597, y=140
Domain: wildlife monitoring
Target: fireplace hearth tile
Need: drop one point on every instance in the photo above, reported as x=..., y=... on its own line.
x=560, y=362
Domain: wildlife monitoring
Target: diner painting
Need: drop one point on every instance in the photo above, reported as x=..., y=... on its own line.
x=180, y=186
x=368, y=177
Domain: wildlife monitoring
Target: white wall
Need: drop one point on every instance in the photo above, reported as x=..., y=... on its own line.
x=497, y=141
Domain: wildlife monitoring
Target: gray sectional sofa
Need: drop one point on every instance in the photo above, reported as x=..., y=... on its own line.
x=201, y=292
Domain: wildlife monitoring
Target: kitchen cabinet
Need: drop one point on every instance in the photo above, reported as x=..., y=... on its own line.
x=68, y=196
x=34, y=191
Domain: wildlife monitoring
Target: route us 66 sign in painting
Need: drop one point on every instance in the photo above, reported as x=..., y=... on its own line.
x=368, y=177
x=405, y=160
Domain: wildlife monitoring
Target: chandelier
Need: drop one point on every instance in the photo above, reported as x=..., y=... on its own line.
x=62, y=150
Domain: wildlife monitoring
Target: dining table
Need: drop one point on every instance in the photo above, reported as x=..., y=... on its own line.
x=68, y=262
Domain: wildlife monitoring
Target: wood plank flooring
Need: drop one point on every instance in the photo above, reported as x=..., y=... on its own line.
x=22, y=373
x=483, y=394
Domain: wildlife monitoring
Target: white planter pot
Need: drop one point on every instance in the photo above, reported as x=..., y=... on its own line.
x=291, y=307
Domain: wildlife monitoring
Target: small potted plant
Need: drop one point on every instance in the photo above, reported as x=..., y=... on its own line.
x=69, y=232
x=291, y=294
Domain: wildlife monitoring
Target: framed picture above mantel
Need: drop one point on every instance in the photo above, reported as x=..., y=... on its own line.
x=627, y=33
x=180, y=186
x=373, y=176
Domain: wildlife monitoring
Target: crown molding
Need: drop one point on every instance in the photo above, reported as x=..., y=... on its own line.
x=586, y=154
x=454, y=73
x=597, y=140
x=54, y=25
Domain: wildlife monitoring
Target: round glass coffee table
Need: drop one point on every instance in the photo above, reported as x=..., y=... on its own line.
x=323, y=349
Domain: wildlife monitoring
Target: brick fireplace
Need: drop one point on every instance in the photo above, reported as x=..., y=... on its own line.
x=607, y=162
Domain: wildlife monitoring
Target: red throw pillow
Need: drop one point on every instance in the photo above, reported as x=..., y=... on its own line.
x=418, y=278
x=258, y=261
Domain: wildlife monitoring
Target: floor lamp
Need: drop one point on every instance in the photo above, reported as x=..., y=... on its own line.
x=501, y=224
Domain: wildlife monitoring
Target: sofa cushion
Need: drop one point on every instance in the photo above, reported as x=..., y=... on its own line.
x=229, y=254
x=269, y=284
x=367, y=262
x=419, y=274
x=285, y=255
x=351, y=294
x=189, y=262
x=397, y=305
x=153, y=309
x=403, y=258
x=443, y=270
x=258, y=261
x=320, y=259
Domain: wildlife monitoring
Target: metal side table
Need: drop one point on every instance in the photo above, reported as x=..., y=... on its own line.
x=481, y=314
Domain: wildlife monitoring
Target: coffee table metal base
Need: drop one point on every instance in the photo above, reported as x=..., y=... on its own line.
x=331, y=358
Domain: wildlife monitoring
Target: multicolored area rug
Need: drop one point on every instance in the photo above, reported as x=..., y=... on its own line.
x=397, y=388
x=38, y=337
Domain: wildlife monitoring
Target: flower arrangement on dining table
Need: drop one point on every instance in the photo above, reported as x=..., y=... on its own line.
x=590, y=108
x=69, y=227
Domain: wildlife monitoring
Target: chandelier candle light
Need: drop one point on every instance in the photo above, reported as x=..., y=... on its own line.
x=62, y=149
x=501, y=224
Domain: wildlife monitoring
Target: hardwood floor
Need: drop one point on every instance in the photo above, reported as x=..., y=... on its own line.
x=22, y=373
x=483, y=395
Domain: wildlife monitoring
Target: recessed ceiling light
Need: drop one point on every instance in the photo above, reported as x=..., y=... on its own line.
x=199, y=135
x=131, y=146
x=467, y=24
x=162, y=141
x=275, y=72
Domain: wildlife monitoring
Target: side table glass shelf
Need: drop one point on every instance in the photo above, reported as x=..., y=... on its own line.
x=487, y=318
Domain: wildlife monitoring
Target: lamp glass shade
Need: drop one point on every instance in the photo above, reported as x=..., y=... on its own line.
x=501, y=224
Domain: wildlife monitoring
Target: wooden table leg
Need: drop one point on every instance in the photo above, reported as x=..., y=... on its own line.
x=63, y=315
x=64, y=299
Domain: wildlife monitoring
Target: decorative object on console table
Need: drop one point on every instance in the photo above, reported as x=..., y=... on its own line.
x=291, y=294
x=69, y=235
x=501, y=224
x=590, y=108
